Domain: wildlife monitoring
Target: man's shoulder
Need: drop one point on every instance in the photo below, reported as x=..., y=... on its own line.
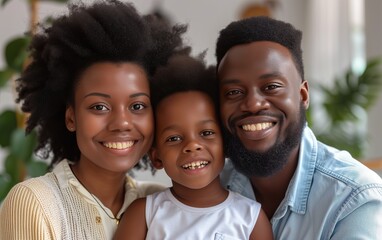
x=341, y=166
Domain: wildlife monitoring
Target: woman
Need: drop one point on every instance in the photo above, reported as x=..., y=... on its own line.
x=88, y=96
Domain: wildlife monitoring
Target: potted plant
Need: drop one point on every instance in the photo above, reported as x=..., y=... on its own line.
x=20, y=161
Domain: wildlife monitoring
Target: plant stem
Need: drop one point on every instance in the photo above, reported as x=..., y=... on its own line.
x=33, y=15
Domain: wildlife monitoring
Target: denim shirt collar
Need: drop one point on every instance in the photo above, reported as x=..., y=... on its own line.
x=299, y=187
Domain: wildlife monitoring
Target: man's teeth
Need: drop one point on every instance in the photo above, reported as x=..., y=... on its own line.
x=257, y=126
x=118, y=145
x=195, y=165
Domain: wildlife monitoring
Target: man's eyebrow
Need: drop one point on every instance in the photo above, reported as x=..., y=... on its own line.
x=263, y=77
x=271, y=75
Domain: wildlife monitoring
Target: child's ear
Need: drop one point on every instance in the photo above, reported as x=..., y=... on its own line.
x=157, y=163
x=70, y=119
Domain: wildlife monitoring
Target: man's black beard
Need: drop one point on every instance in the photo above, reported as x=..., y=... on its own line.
x=263, y=164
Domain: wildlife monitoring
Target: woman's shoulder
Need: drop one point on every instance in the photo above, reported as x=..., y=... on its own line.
x=32, y=188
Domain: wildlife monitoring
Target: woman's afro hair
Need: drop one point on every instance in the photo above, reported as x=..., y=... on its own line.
x=106, y=31
x=261, y=29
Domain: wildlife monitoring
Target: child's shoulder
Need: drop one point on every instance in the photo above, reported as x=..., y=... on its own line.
x=145, y=188
x=240, y=198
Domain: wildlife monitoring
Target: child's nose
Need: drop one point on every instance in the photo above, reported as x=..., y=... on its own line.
x=192, y=146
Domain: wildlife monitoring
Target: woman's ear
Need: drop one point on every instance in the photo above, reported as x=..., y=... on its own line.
x=70, y=119
x=157, y=163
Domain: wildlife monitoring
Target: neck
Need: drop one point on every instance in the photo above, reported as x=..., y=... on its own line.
x=108, y=187
x=270, y=191
x=208, y=196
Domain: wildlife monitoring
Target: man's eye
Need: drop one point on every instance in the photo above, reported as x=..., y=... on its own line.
x=272, y=87
x=138, y=106
x=173, y=139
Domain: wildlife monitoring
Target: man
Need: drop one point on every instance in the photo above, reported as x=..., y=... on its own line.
x=307, y=189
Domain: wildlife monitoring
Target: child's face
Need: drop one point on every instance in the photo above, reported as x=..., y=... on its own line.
x=188, y=141
x=112, y=115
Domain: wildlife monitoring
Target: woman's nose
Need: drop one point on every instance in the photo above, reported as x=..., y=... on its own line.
x=120, y=121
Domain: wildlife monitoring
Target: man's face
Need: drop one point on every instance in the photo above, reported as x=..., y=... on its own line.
x=263, y=102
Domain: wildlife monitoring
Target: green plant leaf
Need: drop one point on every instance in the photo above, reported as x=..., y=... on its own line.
x=5, y=75
x=8, y=124
x=349, y=98
x=16, y=53
x=22, y=146
x=13, y=167
x=36, y=168
x=5, y=186
x=352, y=92
x=3, y=2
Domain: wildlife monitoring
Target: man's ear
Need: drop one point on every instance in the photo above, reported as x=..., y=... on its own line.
x=156, y=162
x=304, y=93
x=70, y=119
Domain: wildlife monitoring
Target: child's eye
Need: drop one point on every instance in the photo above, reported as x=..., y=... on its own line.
x=173, y=139
x=138, y=106
x=207, y=133
x=99, y=107
x=233, y=92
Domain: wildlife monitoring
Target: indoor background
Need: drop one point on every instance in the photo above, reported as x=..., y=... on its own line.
x=338, y=35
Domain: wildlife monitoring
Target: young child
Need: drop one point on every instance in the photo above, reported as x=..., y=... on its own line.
x=188, y=145
x=88, y=95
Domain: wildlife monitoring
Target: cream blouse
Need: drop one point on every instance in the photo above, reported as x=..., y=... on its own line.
x=57, y=206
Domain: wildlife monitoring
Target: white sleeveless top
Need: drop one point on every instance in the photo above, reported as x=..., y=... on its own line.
x=168, y=218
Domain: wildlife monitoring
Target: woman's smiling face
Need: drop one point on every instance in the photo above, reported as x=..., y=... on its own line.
x=112, y=115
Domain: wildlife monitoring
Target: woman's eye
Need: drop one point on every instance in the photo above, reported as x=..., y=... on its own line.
x=138, y=106
x=173, y=139
x=99, y=107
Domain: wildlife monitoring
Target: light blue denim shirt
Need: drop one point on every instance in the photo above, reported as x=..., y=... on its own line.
x=331, y=196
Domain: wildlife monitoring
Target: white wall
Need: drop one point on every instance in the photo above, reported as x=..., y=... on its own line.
x=205, y=19
x=373, y=19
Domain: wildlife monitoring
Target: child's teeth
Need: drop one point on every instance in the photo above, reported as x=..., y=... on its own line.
x=195, y=165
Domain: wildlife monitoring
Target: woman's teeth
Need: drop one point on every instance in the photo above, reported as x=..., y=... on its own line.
x=118, y=145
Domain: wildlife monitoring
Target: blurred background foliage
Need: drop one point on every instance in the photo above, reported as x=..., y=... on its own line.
x=344, y=103
x=19, y=162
